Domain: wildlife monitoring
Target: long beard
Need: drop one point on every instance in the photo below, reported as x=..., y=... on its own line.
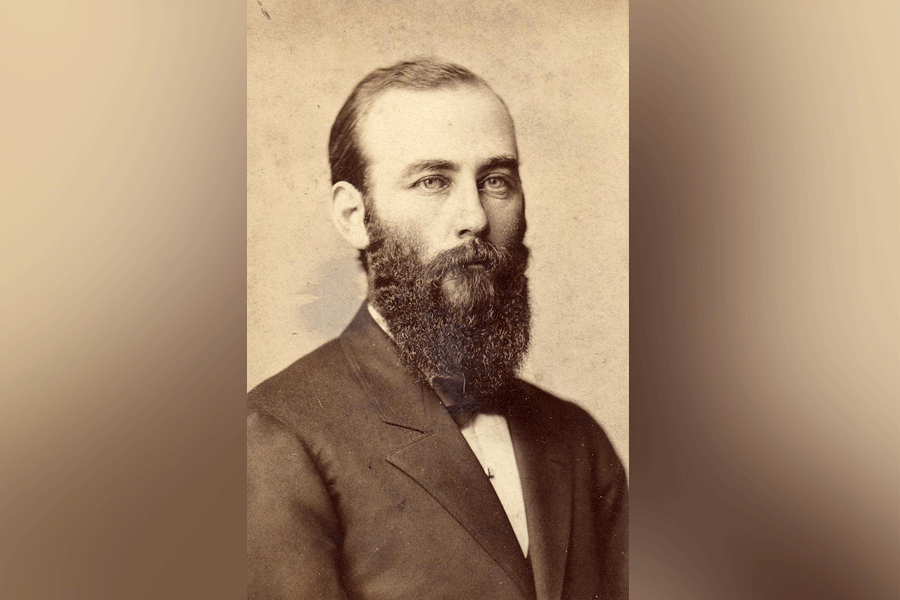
x=463, y=316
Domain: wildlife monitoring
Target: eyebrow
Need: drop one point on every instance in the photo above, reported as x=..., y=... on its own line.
x=428, y=165
x=509, y=162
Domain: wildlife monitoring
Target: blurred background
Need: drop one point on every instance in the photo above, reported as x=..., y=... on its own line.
x=763, y=262
x=765, y=330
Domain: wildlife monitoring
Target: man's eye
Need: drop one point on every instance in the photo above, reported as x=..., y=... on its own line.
x=431, y=184
x=496, y=185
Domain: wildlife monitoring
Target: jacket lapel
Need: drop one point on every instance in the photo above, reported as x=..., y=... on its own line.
x=444, y=465
x=372, y=354
x=546, y=475
x=440, y=461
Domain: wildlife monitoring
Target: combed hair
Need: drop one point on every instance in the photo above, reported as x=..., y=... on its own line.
x=344, y=152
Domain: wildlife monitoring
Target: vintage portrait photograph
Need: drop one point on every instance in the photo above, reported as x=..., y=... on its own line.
x=543, y=300
x=437, y=300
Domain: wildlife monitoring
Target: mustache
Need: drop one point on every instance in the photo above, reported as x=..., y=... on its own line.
x=498, y=263
x=494, y=259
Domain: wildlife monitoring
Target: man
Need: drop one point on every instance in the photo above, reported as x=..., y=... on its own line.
x=405, y=459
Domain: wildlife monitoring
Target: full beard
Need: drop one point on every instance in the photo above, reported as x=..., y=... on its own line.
x=464, y=316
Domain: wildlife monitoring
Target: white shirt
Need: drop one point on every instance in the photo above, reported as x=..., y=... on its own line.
x=488, y=437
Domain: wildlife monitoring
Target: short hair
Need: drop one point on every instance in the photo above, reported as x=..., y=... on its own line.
x=344, y=152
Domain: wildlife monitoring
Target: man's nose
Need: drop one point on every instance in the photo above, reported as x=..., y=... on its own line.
x=471, y=218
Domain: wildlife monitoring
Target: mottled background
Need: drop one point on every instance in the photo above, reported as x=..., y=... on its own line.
x=764, y=319
x=562, y=68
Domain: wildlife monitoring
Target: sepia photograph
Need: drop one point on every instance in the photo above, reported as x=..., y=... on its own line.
x=400, y=300
x=437, y=310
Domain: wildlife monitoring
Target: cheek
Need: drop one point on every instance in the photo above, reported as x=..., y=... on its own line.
x=507, y=223
x=413, y=219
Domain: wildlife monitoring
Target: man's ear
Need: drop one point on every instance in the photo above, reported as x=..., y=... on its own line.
x=348, y=213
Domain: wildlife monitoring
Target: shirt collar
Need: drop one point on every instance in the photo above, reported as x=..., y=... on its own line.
x=376, y=316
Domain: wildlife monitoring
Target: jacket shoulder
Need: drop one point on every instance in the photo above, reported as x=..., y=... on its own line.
x=548, y=406
x=567, y=420
x=313, y=384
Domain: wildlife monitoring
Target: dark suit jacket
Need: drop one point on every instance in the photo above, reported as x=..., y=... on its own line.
x=360, y=485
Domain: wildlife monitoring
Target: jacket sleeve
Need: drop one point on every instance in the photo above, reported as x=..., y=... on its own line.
x=293, y=531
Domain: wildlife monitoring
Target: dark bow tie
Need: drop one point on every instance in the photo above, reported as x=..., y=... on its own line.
x=460, y=403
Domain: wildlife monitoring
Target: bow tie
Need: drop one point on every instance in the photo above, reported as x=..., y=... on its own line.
x=460, y=404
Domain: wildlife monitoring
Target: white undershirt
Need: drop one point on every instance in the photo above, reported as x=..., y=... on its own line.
x=488, y=437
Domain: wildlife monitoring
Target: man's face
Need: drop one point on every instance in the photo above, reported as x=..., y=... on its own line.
x=443, y=167
x=446, y=221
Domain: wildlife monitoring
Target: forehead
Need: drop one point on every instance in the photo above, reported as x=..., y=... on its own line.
x=463, y=124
